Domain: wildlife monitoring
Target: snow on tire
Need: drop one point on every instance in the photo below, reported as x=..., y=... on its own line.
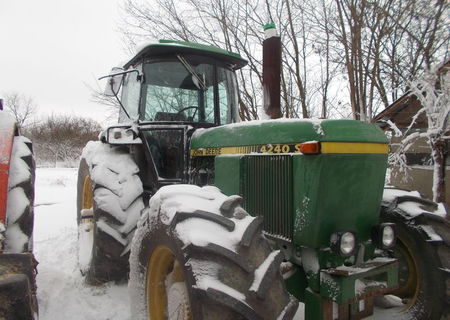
x=197, y=254
x=423, y=251
x=109, y=203
x=19, y=211
x=20, y=302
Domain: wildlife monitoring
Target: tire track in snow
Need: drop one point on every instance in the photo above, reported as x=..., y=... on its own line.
x=62, y=292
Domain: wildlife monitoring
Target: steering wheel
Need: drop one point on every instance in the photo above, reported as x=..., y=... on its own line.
x=187, y=108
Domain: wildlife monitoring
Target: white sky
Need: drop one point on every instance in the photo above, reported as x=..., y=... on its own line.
x=49, y=49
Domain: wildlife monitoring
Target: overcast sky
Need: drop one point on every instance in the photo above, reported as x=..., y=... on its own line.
x=49, y=49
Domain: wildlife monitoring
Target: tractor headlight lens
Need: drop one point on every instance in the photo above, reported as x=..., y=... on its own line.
x=388, y=236
x=343, y=243
x=383, y=235
x=348, y=242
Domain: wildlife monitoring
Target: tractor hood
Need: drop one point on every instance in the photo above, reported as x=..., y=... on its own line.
x=287, y=131
x=320, y=177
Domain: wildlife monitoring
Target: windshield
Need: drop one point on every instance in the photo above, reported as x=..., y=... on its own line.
x=187, y=89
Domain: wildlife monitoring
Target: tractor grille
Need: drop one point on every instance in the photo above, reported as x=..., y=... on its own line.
x=266, y=186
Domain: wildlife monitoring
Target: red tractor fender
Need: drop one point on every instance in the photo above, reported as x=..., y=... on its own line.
x=8, y=129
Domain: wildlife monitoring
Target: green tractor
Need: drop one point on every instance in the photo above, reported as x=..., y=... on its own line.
x=218, y=219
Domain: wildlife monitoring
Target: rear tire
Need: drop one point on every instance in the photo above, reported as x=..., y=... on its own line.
x=109, y=202
x=19, y=212
x=20, y=299
x=199, y=252
x=423, y=251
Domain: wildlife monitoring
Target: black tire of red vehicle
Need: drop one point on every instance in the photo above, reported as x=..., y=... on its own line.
x=237, y=271
x=424, y=260
x=109, y=258
x=24, y=221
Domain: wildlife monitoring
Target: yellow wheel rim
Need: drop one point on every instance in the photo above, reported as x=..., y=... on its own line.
x=87, y=200
x=86, y=226
x=163, y=270
x=410, y=289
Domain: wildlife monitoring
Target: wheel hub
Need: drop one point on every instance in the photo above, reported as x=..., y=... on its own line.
x=166, y=291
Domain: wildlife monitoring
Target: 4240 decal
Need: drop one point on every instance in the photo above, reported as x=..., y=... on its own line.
x=265, y=148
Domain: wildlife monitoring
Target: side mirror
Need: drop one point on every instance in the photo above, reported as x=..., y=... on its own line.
x=114, y=82
x=115, y=79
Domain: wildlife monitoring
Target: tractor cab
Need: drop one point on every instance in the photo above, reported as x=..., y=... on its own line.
x=167, y=90
x=180, y=82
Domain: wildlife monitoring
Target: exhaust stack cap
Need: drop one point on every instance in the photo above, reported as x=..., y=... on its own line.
x=270, y=30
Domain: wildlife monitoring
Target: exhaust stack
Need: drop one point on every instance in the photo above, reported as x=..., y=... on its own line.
x=271, y=72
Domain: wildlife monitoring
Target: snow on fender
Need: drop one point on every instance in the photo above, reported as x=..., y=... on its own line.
x=198, y=249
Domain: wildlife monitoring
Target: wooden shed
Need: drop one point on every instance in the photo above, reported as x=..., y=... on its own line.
x=418, y=157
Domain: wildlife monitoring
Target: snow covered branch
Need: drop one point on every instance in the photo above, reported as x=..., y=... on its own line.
x=432, y=90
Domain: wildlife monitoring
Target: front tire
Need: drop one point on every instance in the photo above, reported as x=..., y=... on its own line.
x=198, y=255
x=109, y=203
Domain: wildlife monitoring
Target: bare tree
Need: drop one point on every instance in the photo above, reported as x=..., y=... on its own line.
x=319, y=14
x=237, y=25
x=377, y=46
x=21, y=106
x=432, y=89
x=387, y=43
x=360, y=30
x=417, y=38
x=61, y=138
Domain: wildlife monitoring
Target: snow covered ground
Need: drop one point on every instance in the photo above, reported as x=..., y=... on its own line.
x=62, y=293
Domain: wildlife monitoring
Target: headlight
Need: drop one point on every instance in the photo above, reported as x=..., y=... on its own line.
x=343, y=243
x=383, y=235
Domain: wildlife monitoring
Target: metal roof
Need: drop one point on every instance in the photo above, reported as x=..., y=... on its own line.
x=165, y=47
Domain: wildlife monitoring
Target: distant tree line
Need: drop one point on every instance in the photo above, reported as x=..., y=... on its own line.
x=58, y=139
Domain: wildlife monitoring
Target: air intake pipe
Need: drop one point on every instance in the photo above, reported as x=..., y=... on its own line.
x=271, y=72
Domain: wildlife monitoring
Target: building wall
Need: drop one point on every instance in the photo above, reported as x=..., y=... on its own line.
x=420, y=178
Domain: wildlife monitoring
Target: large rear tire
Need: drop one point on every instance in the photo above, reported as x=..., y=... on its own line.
x=18, y=267
x=19, y=212
x=109, y=203
x=198, y=255
x=423, y=252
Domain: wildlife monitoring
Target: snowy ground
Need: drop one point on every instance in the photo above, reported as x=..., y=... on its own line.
x=62, y=293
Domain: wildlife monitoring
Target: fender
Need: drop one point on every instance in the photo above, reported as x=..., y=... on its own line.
x=8, y=129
